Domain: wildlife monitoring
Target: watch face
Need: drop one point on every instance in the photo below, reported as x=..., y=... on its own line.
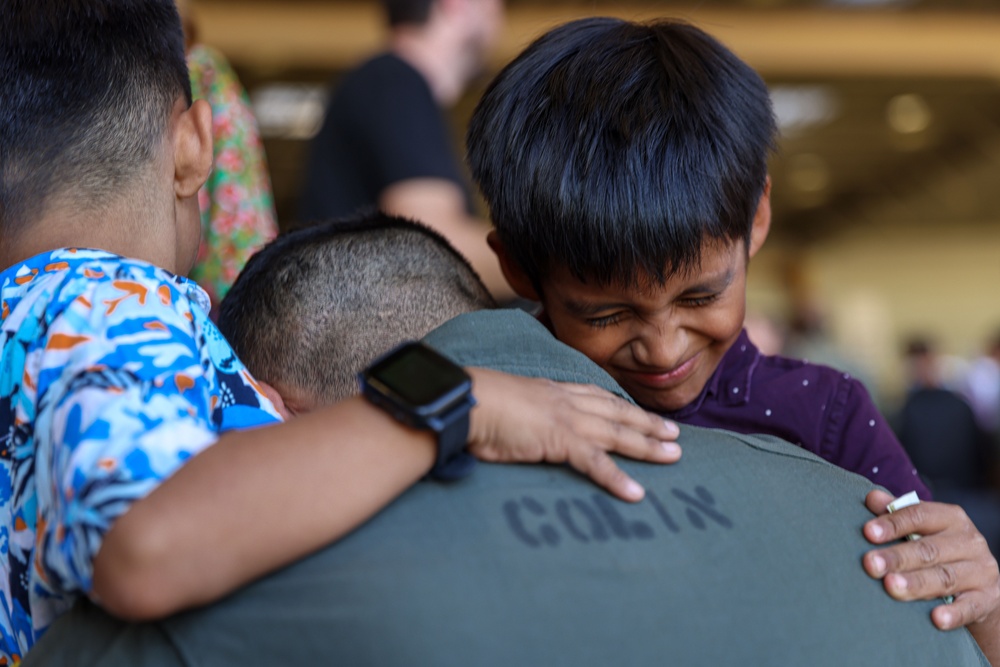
x=420, y=376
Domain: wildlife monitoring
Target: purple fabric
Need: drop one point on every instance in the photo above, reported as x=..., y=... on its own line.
x=816, y=407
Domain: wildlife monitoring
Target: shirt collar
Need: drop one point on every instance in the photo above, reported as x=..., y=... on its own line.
x=730, y=383
x=65, y=259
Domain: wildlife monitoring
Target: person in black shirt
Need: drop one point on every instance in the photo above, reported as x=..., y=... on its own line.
x=385, y=142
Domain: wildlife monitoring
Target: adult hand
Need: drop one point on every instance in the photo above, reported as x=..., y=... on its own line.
x=950, y=558
x=531, y=420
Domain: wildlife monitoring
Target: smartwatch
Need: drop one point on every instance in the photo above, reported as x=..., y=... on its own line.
x=424, y=389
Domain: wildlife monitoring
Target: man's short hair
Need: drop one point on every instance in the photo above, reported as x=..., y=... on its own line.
x=407, y=12
x=317, y=305
x=87, y=88
x=617, y=149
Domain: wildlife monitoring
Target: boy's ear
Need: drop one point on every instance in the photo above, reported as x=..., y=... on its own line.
x=761, y=220
x=275, y=398
x=192, y=144
x=512, y=271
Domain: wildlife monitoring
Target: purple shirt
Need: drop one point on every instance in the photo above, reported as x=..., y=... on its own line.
x=816, y=407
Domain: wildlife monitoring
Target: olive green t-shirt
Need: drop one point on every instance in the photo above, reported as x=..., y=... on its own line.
x=746, y=552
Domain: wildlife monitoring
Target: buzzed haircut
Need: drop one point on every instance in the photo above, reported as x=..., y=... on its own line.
x=86, y=91
x=407, y=12
x=618, y=149
x=317, y=305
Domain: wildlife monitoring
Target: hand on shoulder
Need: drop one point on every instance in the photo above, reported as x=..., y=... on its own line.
x=951, y=558
x=533, y=420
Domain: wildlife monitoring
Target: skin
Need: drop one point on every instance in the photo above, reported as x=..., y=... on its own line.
x=336, y=466
x=662, y=343
x=950, y=558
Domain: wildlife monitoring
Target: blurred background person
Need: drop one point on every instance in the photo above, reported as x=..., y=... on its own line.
x=939, y=431
x=385, y=140
x=237, y=207
x=981, y=387
x=765, y=332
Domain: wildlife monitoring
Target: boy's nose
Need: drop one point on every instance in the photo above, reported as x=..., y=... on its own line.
x=660, y=348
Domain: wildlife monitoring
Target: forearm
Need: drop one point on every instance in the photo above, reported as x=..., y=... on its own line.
x=253, y=502
x=440, y=204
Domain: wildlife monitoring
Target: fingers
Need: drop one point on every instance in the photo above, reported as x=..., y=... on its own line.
x=608, y=406
x=937, y=581
x=601, y=469
x=522, y=420
x=927, y=552
x=611, y=435
x=968, y=608
x=923, y=519
x=878, y=501
x=951, y=558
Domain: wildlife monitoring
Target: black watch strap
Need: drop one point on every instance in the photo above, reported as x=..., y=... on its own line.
x=424, y=389
x=453, y=461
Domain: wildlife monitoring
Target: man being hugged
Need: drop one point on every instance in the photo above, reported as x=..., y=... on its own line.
x=625, y=167
x=127, y=469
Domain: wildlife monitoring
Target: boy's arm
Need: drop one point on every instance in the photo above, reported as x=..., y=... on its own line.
x=951, y=558
x=259, y=499
x=253, y=502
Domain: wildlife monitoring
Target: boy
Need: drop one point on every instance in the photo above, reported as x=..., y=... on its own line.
x=625, y=167
x=123, y=475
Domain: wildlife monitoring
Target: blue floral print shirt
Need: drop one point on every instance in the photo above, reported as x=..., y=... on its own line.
x=111, y=377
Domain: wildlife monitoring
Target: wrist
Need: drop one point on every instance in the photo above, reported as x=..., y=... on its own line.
x=482, y=425
x=423, y=389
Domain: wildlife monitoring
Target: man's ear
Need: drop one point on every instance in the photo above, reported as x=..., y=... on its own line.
x=275, y=398
x=761, y=220
x=512, y=271
x=192, y=144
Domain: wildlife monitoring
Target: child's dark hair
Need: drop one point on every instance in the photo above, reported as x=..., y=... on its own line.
x=87, y=87
x=617, y=149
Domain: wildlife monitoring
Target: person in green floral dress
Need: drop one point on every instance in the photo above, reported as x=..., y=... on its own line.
x=237, y=207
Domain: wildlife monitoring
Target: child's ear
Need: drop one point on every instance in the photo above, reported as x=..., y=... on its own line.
x=192, y=144
x=761, y=220
x=275, y=398
x=512, y=270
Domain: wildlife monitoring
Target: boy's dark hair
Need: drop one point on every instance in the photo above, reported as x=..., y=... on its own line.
x=317, y=305
x=617, y=149
x=407, y=12
x=87, y=88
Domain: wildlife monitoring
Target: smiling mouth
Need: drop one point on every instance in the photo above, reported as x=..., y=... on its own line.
x=663, y=379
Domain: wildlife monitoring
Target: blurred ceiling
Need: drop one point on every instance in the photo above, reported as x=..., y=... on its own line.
x=890, y=109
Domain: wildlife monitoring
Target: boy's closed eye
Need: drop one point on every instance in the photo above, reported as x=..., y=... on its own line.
x=605, y=321
x=696, y=301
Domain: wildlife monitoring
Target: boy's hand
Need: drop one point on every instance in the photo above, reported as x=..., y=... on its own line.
x=530, y=420
x=950, y=558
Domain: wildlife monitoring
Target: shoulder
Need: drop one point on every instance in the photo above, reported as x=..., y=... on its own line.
x=122, y=288
x=798, y=374
x=383, y=79
x=387, y=65
x=102, y=284
x=107, y=310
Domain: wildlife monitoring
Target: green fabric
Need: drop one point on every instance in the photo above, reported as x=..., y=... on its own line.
x=515, y=342
x=748, y=551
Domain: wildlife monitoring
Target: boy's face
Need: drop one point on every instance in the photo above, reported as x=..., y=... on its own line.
x=661, y=342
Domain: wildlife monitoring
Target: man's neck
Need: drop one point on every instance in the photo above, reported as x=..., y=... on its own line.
x=436, y=56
